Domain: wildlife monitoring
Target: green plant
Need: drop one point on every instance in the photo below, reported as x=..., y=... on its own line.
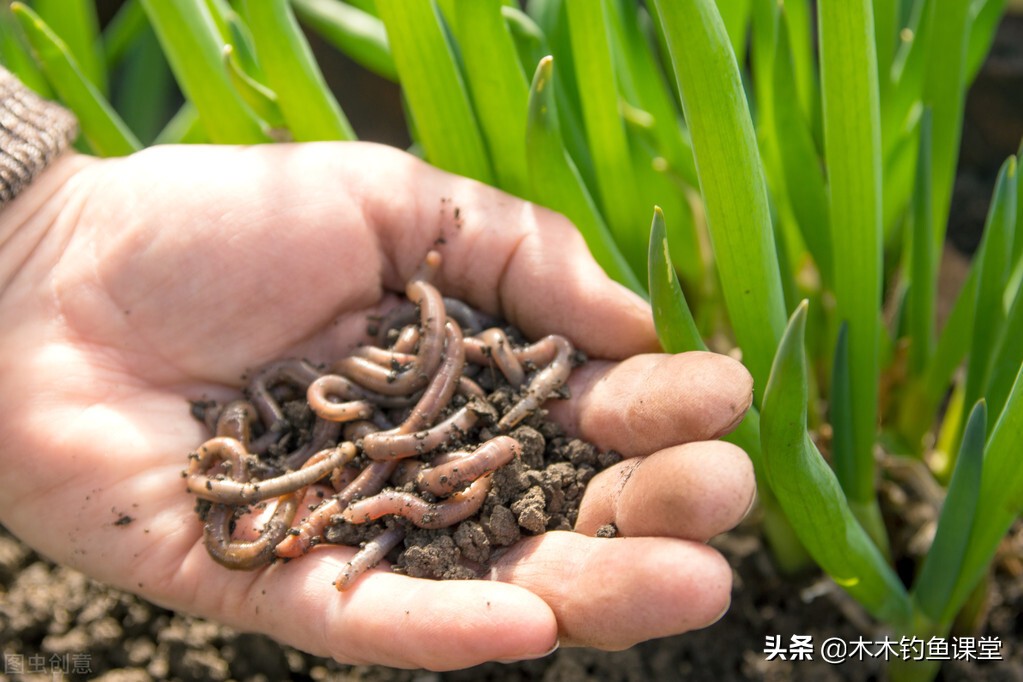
x=811, y=171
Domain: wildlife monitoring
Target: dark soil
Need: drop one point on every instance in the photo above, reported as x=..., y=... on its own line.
x=62, y=618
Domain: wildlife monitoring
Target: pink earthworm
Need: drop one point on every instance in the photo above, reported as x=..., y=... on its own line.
x=392, y=359
x=407, y=339
x=240, y=554
x=492, y=346
x=438, y=394
x=224, y=451
x=236, y=420
x=321, y=394
x=544, y=383
x=359, y=429
x=304, y=536
x=371, y=554
x=403, y=315
x=390, y=445
x=455, y=472
x=227, y=491
x=417, y=374
x=297, y=372
x=447, y=512
x=325, y=434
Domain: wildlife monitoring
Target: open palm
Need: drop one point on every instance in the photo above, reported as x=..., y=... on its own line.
x=130, y=286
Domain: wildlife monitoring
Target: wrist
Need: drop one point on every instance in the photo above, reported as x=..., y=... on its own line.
x=33, y=132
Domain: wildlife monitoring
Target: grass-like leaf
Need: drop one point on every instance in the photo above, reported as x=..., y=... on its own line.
x=434, y=89
x=662, y=156
x=944, y=85
x=309, y=108
x=122, y=32
x=677, y=332
x=923, y=254
x=555, y=181
x=731, y=176
x=16, y=57
x=500, y=92
x=676, y=328
x=985, y=18
x=146, y=90
x=183, y=128
x=605, y=132
x=810, y=494
x=804, y=179
x=936, y=580
x=192, y=44
x=992, y=260
x=1001, y=495
x=530, y=41
x=852, y=141
x=76, y=23
x=102, y=127
x=260, y=98
x=358, y=34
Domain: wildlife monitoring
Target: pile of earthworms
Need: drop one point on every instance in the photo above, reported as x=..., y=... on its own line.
x=389, y=435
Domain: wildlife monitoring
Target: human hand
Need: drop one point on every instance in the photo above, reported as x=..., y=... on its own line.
x=130, y=286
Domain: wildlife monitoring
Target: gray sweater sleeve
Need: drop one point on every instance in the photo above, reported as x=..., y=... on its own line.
x=33, y=132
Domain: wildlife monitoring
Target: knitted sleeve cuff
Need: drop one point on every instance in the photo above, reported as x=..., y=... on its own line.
x=33, y=132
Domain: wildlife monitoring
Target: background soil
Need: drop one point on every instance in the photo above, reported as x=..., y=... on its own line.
x=60, y=625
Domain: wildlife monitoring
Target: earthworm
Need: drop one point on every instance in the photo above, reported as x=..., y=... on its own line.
x=544, y=383
x=224, y=450
x=236, y=420
x=432, y=319
x=382, y=445
x=390, y=445
x=454, y=473
x=227, y=491
x=297, y=372
x=447, y=512
x=240, y=554
x=322, y=392
x=325, y=434
x=493, y=347
x=403, y=315
x=302, y=538
x=393, y=359
x=371, y=554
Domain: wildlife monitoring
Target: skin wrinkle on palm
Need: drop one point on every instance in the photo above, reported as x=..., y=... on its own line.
x=129, y=255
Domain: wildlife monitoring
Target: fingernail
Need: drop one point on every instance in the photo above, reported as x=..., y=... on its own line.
x=550, y=651
x=752, y=504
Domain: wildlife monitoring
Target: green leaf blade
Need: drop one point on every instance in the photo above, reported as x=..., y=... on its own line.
x=106, y=133
x=809, y=492
x=436, y=94
x=616, y=190
x=933, y=588
x=992, y=261
x=731, y=176
x=192, y=44
x=676, y=328
x=358, y=34
x=500, y=93
x=852, y=136
x=76, y=23
x=308, y=107
x=555, y=181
